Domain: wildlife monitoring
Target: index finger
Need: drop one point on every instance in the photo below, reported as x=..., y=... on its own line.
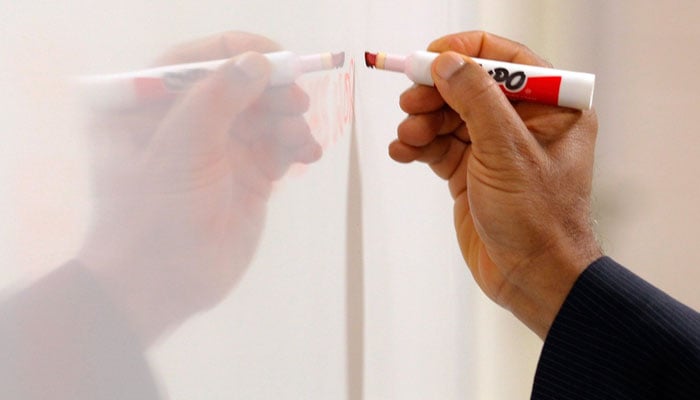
x=486, y=45
x=219, y=46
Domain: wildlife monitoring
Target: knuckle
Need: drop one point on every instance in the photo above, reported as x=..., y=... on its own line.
x=232, y=43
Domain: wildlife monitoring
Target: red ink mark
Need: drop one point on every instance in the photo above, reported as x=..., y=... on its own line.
x=332, y=106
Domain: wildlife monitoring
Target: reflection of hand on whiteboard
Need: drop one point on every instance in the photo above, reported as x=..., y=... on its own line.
x=181, y=185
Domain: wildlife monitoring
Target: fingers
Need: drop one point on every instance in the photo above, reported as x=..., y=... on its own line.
x=288, y=142
x=220, y=46
x=432, y=153
x=267, y=117
x=428, y=117
x=293, y=136
x=201, y=120
x=419, y=130
x=471, y=93
x=486, y=45
x=283, y=100
x=428, y=133
x=443, y=154
x=273, y=125
x=466, y=103
x=494, y=126
x=420, y=99
x=276, y=141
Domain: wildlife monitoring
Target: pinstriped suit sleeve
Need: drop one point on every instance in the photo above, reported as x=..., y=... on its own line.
x=618, y=337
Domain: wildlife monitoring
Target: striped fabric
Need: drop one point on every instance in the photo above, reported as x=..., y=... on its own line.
x=618, y=337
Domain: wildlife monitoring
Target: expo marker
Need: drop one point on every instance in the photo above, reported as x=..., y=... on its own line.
x=121, y=90
x=518, y=81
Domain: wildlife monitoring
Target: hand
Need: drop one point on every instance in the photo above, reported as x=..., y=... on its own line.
x=181, y=187
x=520, y=175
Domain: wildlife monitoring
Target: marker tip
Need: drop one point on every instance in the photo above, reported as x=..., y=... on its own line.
x=338, y=59
x=370, y=59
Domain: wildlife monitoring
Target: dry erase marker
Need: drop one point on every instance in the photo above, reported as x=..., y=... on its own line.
x=137, y=87
x=518, y=81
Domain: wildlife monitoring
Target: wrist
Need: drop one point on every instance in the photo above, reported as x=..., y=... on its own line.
x=130, y=284
x=548, y=280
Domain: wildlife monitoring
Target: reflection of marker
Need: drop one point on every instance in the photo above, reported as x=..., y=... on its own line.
x=132, y=88
x=518, y=81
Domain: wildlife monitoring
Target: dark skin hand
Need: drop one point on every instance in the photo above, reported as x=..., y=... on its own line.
x=519, y=173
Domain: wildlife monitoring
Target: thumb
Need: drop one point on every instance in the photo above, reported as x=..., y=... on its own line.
x=202, y=119
x=495, y=128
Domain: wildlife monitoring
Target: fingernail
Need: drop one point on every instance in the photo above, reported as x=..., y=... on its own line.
x=252, y=65
x=447, y=64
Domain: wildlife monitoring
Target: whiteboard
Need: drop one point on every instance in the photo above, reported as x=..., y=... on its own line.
x=356, y=289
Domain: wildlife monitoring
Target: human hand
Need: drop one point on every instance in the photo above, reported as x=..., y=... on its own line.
x=520, y=175
x=181, y=186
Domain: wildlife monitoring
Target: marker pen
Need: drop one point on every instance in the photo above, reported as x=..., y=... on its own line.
x=120, y=90
x=518, y=81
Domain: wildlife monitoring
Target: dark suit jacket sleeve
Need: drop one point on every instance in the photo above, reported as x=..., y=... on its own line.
x=618, y=337
x=62, y=339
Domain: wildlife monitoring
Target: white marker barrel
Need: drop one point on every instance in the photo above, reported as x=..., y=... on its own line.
x=518, y=81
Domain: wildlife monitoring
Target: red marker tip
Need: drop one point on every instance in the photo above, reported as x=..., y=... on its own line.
x=370, y=59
